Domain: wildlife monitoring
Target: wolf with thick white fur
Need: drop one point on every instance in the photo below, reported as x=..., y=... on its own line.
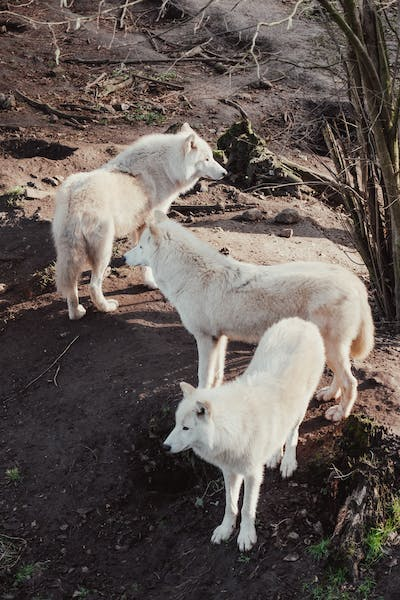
x=218, y=298
x=243, y=425
x=114, y=201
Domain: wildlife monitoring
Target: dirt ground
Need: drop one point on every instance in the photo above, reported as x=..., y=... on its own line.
x=95, y=509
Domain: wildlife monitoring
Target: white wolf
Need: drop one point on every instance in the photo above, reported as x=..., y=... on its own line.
x=113, y=201
x=218, y=298
x=243, y=425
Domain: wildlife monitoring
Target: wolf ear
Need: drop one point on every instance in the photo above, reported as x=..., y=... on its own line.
x=186, y=388
x=203, y=409
x=186, y=128
x=189, y=143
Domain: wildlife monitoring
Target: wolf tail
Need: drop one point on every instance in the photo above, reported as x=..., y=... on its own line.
x=364, y=342
x=70, y=245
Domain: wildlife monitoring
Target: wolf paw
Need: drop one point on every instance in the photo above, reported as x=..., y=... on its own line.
x=247, y=537
x=327, y=393
x=77, y=313
x=288, y=468
x=222, y=532
x=334, y=413
x=110, y=306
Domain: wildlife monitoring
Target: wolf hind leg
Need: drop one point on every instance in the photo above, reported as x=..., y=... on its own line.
x=68, y=270
x=289, y=462
x=340, y=363
x=331, y=392
x=75, y=310
x=100, y=255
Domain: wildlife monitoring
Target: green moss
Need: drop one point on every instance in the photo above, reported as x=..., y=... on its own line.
x=359, y=435
x=251, y=163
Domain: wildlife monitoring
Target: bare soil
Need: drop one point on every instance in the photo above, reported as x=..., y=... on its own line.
x=99, y=511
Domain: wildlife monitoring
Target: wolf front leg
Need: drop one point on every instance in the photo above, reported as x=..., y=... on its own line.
x=207, y=348
x=252, y=482
x=233, y=483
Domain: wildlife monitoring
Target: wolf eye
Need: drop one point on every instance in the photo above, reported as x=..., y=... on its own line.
x=185, y=428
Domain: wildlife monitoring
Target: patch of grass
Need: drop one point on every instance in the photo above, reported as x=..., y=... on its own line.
x=45, y=279
x=377, y=537
x=244, y=558
x=13, y=475
x=320, y=550
x=337, y=587
x=332, y=589
x=81, y=593
x=148, y=116
x=26, y=572
x=13, y=197
x=167, y=76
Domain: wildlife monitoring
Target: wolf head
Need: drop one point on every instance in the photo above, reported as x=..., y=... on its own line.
x=197, y=156
x=194, y=424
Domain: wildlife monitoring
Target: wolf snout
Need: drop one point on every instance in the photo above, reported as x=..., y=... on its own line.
x=166, y=447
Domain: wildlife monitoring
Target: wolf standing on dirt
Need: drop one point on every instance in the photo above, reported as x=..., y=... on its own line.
x=114, y=201
x=243, y=425
x=218, y=298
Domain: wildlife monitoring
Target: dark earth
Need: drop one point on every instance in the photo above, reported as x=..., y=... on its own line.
x=90, y=506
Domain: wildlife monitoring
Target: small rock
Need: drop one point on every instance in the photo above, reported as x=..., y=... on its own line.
x=286, y=233
x=85, y=570
x=291, y=557
x=64, y=527
x=252, y=214
x=303, y=512
x=51, y=181
x=393, y=563
x=261, y=84
x=35, y=194
x=7, y=101
x=318, y=527
x=293, y=535
x=288, y=216
x=123, y=106
x=3, y=288
x=189, y=219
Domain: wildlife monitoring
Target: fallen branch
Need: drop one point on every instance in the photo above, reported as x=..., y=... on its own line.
x=211, y=208
x=236, y=105
x=46, y=108
x=55, y=361
x=138, y=61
